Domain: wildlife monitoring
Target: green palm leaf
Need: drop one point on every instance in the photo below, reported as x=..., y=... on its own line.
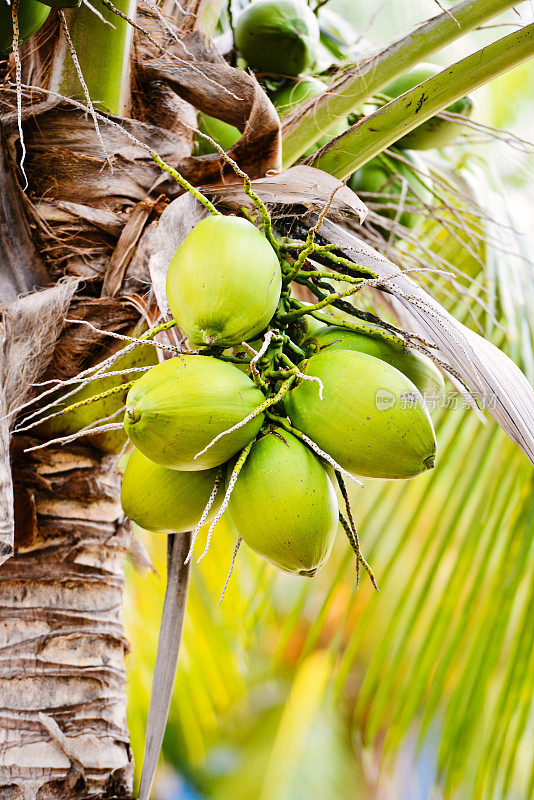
x=445, y=646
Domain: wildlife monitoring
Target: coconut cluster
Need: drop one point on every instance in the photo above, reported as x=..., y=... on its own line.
x=267, y=410
x=292, y=50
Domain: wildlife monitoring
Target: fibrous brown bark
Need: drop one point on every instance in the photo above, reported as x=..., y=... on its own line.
x=63, y=726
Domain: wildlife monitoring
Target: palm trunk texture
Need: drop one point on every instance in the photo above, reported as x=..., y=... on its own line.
x=63, y=726
x=63, y=731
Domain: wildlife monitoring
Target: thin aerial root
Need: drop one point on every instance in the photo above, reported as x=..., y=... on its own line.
x=73, y=436
x=170, y=30
x=345, y=495
x=123, y=337
x=79, y=380
x=313, y=379
x=18, y=79
x=144, y=339
x=271, y=401
x=100, y=376
x=231, y=483
x=370, y=572
x=205, y=513
x=232, y=563
x=100, y=16
x=256, y=377
x=165, y=167
x=120, y=455
x=102, y=420
x=326, y=457
x=265, y=346
x=115, y=390
x=182, y=10
x=79, y=73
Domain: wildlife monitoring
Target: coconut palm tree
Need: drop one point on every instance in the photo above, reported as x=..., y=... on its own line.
x=93, y=108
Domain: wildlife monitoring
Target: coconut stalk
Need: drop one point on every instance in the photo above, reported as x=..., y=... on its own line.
x=107, y=76
x=374, y=133
x=62, y=667
x=302, y=128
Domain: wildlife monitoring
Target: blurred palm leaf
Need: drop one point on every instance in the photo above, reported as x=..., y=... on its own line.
x=447, y=642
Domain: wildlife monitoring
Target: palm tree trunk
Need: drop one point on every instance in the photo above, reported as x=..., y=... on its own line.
x=63, y=726
x=63, y=731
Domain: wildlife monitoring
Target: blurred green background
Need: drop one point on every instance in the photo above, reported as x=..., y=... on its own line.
x=297, y=688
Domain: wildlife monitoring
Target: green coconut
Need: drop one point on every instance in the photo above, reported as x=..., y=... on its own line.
x=223, y=133
x=175, y=410
x=223, y=282
x=166, y=500
x=417, y=367
x=390, y=180
x=280, y=37
x=435, y=132
x=372, y=419
x=74, y=421
x=284, y=505
x=293, y=93
x=31, y=16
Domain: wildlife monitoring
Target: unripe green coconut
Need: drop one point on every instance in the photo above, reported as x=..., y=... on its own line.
x=223, y=133
x=292, y=94
x=74, y=421
x=166, y=500
x=31, y=16
x=435, y=132
x=177, y=408
x=417, y=367
x=284, y=505
x=223, y=282
x=280, y=37
x=371, y=420
x=387, y=176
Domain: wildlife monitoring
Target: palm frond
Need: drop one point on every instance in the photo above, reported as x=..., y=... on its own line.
x=444, y=648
